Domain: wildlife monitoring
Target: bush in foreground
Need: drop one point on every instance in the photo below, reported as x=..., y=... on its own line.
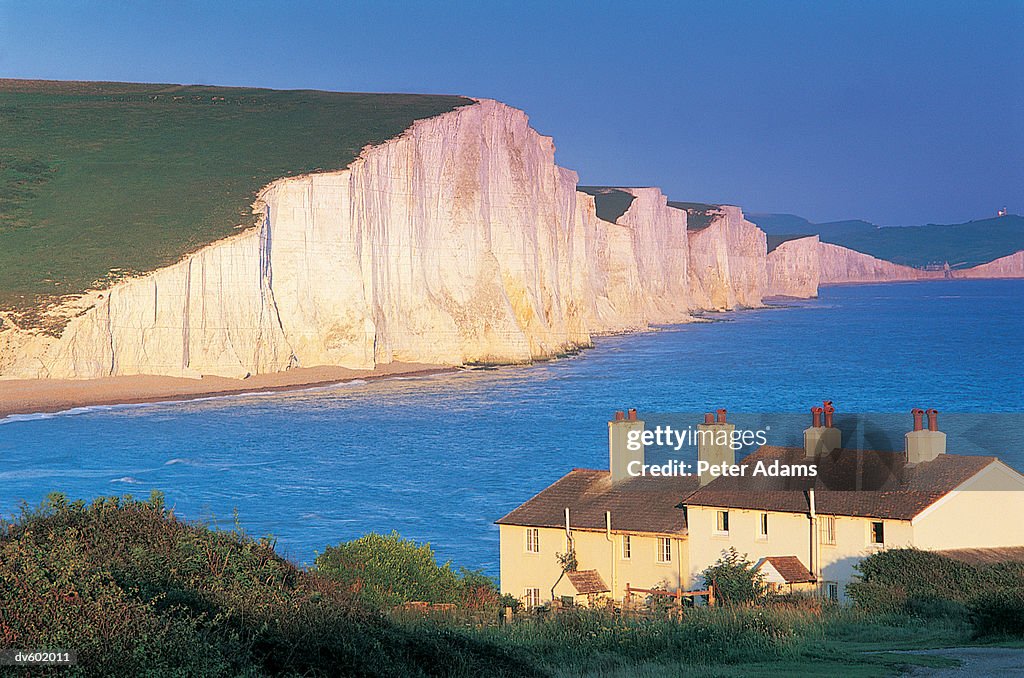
x=736, y=579
x=137, y=592
x=386, y=570
x=997, y=613
x=930, y=585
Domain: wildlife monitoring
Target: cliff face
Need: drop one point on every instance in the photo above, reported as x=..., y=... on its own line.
x=727, y=262
x=616, y=298
x=793, y=269
x=841, y=265
x=660, y=248
x=797, y=267
x=458, y=242
x=1011, y=266
x=211, y=313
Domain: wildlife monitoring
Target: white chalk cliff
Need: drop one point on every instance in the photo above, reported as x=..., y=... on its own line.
x=727, y=262
x=840, y=265
x=797, y=267
x=1010, y=266
x=793, y=269
x=458, y=242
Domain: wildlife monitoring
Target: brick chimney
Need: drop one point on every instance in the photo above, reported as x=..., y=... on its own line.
x=924, y=445
x=714, y=436
x=619, y=453
x=821, y=437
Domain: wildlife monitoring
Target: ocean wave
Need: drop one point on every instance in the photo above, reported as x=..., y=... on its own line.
x=128, y=480
x=185, y=400
x=73, y=411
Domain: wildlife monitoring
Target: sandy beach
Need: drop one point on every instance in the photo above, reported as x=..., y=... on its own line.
x=26, y=396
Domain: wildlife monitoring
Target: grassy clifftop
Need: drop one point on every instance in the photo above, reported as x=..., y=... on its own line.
x=609, y=203
x=129, y=177
x=699, y=215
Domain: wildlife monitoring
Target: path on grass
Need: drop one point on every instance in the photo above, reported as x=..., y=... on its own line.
x=974, y=661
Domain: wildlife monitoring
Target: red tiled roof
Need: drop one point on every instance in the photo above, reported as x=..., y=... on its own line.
x=587, y=581
x=861, y=483
x=642, y=504
x=789, y=568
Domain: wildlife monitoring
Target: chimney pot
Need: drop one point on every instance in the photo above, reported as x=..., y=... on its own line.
x=712, y=446
x=816, y=416
x=922, y=445
x=829, y=411
x=623, y=434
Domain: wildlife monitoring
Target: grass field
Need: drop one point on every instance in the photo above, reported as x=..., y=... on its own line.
x=129, y=177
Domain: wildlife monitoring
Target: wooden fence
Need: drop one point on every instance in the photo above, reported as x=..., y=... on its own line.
x=678, y=594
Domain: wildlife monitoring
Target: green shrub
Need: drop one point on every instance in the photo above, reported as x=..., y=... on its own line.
x=735, y=578
x=386, y=570
x=137, y=592
x=932, y=607
x=928, y=584
x=888, y=579
x=998, y=612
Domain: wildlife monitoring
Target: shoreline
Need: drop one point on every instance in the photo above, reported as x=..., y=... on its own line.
x=47, y=396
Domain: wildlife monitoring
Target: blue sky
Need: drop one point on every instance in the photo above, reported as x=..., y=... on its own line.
x=896, y=112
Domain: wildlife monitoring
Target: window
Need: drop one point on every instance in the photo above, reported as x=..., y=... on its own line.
x=831, y=590
x=532, y=598
x=878, y=533
x=664, y=550
x=626, y=547
x=762, y=532
x=532, y=540
x=722, y=525
x=828, y=530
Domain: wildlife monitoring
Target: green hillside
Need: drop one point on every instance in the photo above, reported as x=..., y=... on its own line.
x=699, y=215
x=96, y=177
x=781, y=223
x=775, y=239
x=609, y=203
x=962, y=245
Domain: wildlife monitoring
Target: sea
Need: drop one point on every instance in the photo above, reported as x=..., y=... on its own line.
x=439, y=458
